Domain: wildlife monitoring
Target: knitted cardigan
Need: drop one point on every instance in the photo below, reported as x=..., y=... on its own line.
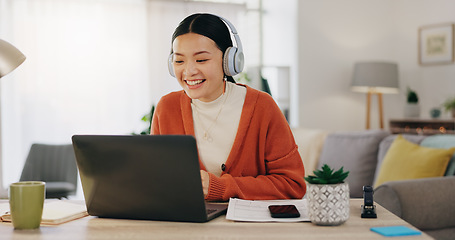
x=264, y=162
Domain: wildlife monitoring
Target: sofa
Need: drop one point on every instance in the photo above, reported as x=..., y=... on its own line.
x=412, y=175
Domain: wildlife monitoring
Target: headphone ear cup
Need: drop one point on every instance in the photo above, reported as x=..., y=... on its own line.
x=239, y=61
x=170, y=64
x=233, y=61
x=228, y=61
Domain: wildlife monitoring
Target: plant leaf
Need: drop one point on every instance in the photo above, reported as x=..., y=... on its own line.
x=319, y=174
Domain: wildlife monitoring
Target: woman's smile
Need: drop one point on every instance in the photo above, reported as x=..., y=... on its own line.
x=194, y=83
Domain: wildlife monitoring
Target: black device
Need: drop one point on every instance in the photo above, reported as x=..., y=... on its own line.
x=284, y=211
x=368, y=209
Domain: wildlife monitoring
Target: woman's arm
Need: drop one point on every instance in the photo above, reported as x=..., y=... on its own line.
x=283, y=181
x=266, y=163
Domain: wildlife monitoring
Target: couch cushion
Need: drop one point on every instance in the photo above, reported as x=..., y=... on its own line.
x=385, y=145
x=407, y=160
x=310, y=142
x=442, y=141
x=357, y=153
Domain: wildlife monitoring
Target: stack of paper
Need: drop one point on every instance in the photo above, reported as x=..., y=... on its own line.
x=257, y=211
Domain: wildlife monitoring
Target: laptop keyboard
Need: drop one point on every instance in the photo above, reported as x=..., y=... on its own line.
x=210, y=211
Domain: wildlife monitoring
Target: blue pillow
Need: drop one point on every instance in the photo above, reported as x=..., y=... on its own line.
x=442, y=141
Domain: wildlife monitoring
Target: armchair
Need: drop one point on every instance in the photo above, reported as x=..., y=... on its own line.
x=53, y=164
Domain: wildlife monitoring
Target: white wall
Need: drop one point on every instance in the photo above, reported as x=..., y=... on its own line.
x=434, y=84
x=333, y=35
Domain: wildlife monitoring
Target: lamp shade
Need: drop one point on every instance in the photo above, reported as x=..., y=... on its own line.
x=10, y=58
x=381, y=77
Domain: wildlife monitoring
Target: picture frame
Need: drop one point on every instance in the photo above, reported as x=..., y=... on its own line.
x=436, y=44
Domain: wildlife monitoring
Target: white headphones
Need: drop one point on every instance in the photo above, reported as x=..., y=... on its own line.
x=233, y=60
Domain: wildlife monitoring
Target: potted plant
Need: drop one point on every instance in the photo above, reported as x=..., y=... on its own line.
x=449, y=105
x=328, y=196
x=147, y=118
x=412, y=108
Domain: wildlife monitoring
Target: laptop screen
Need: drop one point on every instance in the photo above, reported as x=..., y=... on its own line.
x=141, y=176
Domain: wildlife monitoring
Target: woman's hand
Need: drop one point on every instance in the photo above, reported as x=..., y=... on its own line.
x=205, y=178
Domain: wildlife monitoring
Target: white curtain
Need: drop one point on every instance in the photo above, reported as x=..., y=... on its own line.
x=93, y=67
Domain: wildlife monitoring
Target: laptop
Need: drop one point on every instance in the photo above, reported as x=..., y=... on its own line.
x=146, y=177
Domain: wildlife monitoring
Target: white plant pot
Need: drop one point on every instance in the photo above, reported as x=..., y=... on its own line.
x=412, y=110
x=328, y=203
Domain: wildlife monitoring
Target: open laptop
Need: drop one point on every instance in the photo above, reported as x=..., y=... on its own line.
x=150, y=177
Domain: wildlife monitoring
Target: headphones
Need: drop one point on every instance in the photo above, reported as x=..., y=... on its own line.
x=233, y=59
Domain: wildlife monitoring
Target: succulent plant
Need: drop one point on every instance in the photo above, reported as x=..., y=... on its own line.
x=326, y=175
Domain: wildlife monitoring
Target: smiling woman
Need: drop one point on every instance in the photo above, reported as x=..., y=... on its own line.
x=245, y=145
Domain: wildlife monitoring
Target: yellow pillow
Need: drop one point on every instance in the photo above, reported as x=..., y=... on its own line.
x=407, y=160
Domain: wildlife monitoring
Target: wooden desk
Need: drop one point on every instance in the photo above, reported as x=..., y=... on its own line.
x=220, y=228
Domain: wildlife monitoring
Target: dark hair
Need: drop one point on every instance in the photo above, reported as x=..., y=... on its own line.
x=207, y=25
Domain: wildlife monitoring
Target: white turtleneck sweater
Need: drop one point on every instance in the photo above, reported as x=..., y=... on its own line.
x=218, y=121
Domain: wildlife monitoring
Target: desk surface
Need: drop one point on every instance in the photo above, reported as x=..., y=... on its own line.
x=220, y=228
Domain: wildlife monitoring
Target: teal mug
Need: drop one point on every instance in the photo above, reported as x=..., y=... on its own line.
x=26, y=201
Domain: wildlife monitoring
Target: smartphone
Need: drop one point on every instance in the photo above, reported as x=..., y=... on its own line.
x=284, y=211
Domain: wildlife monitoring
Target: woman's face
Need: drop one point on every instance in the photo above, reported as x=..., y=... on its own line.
x=198, y=66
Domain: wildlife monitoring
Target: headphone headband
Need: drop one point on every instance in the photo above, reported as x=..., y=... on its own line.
x=237, y=41
x=233, y=59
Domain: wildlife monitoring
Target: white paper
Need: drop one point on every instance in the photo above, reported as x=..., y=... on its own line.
x=257, y=211
x=4, y=208
x=56, y=210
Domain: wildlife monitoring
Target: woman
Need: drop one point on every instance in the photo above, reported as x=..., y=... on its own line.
x=246, y=148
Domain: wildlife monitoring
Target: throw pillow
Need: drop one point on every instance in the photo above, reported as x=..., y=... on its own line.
x=387, y=142
x=355, y=151
x=442, y=141
x=407, y=160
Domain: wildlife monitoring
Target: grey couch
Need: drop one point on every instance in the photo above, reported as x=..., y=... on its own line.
x=428, y=204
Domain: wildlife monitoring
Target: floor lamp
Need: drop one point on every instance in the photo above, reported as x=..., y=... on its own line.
x=10, y=59
x=375, y=78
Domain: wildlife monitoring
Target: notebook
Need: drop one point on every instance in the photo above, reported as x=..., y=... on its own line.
x=54, y=212
x=395, y=231
x=147, y=177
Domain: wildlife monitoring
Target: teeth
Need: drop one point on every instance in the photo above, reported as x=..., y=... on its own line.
x=193, y=82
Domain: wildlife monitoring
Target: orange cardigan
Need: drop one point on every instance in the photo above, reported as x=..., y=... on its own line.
x=263, y=163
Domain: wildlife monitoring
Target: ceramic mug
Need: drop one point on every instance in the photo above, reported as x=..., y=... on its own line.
x=26, y=201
